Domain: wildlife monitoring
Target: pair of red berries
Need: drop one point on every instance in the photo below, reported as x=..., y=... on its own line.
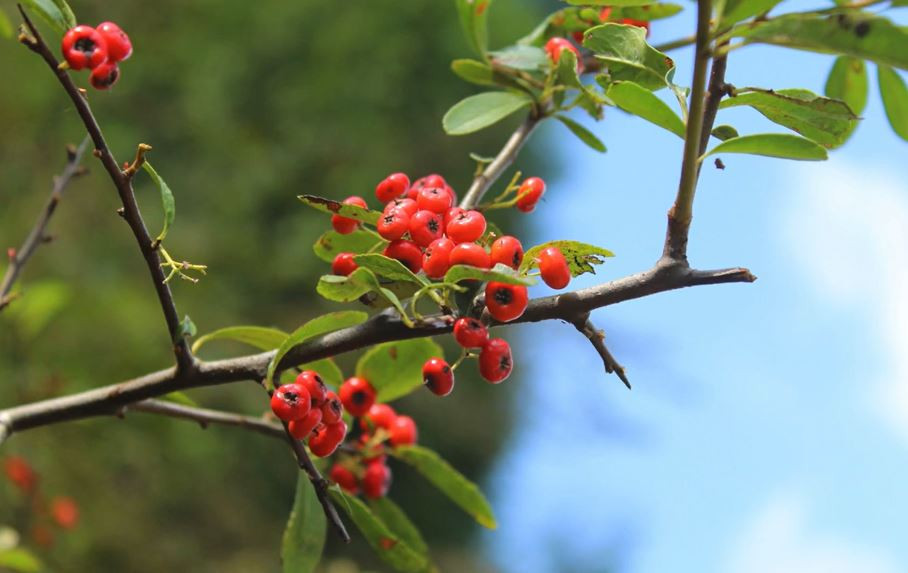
x=495, y=360
x=400, y=430
x=311, y=410
x=374, y=478
x=98, y=49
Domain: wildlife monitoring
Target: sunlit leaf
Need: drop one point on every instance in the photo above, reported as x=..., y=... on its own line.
x=780, y=145
x=895, y=100
x=482, y=110
x=624, y=50
x=641, y=102
x=580, y=257
x=338, y=208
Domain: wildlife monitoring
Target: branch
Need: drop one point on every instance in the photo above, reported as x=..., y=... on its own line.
x=123, y=182
x=502, y=161
x=36, y=236
x=204, y=417
x=382, y=327
x=597, y=339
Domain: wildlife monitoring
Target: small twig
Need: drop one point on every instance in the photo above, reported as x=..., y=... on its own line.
x=597, y=339
x=136, y=164
x=37, y=235
x=205, y=416
x=319, y=483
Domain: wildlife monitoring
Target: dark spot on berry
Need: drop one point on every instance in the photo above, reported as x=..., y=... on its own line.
x=389, y=219
x=85, y=45
x=504, y=364
x=429, y=381
x=433, y=225
x=359, y=397
x=503, y=296
x=446, y=369
x=291, y=397
x=336, y=406
x=517, y=258
x=862, y=29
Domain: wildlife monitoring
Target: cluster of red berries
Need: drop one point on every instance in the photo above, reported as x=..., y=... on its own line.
x=98, y=49
x=369, y=472
x=311, y=410
x=63, y=511
x=555, y=46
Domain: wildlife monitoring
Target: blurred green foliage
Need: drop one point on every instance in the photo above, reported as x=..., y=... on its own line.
x=247, y=105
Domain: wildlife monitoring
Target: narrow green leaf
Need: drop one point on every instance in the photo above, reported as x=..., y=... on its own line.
x=780, y=145
x=826, y=121
x=641, y=102
x=580, y=256
x=6, y=27
x=723, y=132
x=582, y=133
x=398, y=522
x=304, y=536
x=50, y=12
x=332, y=243
x=338, y=208
x=482, y=110
x=320, y=325
x=388, y=268
x=348, y=288
x=68, y=17
x=261, y=337
x=20, y=560
x=474, y=71
x=628, y=57
x=857, y=34
x=170, y=207
x=473, y=15
x=847, y=81
x=180, y=398
x=895, y=99
x=449, y=481
x=519, y=57
x=391, y=548
x=500, y=273
x=737, y=10
x=395, y=368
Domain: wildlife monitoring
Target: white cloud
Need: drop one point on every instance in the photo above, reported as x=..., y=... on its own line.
x=779, y=540
x=847, y=227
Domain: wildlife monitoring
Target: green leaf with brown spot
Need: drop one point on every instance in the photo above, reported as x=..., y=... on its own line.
x=332, y=243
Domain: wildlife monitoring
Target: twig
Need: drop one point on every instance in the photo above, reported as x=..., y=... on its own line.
x=597, y=338
x=319, y=483
x=36, y=236
x=122, y=181
x=502, y=161
x=204, y=417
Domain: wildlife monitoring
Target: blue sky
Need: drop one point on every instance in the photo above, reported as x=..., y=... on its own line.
x=768, y=425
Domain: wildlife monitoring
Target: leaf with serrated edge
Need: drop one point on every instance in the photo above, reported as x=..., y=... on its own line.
x=304, y=536
x=580, y=257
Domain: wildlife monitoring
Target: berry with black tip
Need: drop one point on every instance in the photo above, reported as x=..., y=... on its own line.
x=357, y=396
x=291, y=402
x=332, y=409
x=393, y=224
x=300, y=429
x=507, y=250
x=119, y=47
x=506, y=302
x=425, y=227
x=470, y=332
x=406, y=252
x=392, y=186
x=311, y=380
x=326, y=437
x=435, y=199
x=466, y=226
x=438, y=376
x=84, y=47
x=495, y=361
x=437, y=259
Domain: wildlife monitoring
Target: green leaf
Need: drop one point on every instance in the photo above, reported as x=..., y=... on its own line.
x=858, y=34
x=332, y=243
x=39, y=304
x=473, y=15
x=67, y=12
x=847, y=81
x=391, y=548
x=773, y=145
x=338, y=208
x=500, y=273
x=261, y=337
x=388, y=268
x=580, y=256
x=320, y=325
x=187, y=328
x=360, y=282
x=395, y=368
x=304, y=536
x=737, y=10
x=609, y=2
x=482, y=110
x=895, y=99
x=628, y=57
x=826, y=121
x=641, y=102
x=6, y=27
x=566, y=71
x=398, y=522
x=474, y=71
x=582, y=133
x=519, y=57
x=180, y=398
x=449, y=481
x=170, y=207
x=646, y=13
x=723, y=132
x=20, y=560
x=56, y=13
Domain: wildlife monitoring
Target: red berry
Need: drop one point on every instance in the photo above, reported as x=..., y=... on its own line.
x=470, y=333
x=470, y=254
x=119, y=47
x=326, y=437
x=376, y=480
x=20, y=473
x=554, y=268
x=65, y=512
x=466, y=227
x=605, y=13
x=344, y=264
x=406, y=252
x=344, y=478
x=408, y=206
x=437, y=259
x=438, y=376
x=555, y=46
x=104, y=75
x=506, y=302
x=301, y=428
x=450, y=214
x=495, y=360
x=357, y=396
x=507, y=250
x=346, y=225
x=392, y=186
x=84, y=47
x=291, y=402
x=639, y=23
x=578, y=36
x=452, y=193
x=403, y=431
x=435, y=199
x=332, y=409
x=310, y=380
x=378, y=416
x=425, y=227
x=529, y=193
x=393, y=225
x=433, y=180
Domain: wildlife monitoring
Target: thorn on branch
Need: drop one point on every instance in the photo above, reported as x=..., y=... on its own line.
x=597, y=338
